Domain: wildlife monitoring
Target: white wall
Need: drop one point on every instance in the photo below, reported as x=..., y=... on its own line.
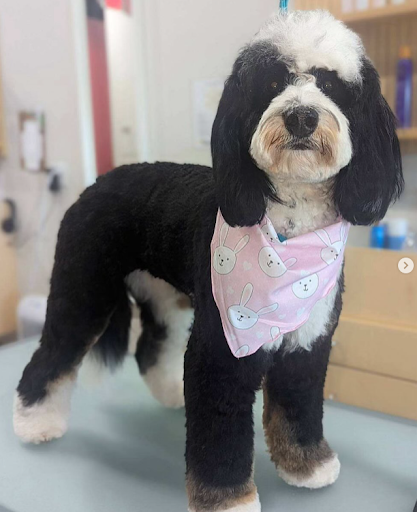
x=39, y=71
x=191, y=40
x=121, y=55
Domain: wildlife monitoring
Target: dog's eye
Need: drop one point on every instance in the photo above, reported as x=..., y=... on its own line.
x=327, y=86
x=274, y=85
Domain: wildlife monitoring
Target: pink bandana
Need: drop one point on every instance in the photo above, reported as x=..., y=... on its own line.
x=265, y=288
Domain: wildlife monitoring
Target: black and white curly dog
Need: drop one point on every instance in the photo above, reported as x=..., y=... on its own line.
x=303, y=134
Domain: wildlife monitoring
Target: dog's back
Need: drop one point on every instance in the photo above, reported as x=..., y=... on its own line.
x=154, y=211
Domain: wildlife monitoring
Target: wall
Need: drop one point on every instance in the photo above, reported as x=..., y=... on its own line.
x=121, y=55
x=191, y=40
x=39, y=71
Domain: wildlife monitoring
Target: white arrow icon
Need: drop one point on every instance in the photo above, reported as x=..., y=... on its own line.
x=405, y=265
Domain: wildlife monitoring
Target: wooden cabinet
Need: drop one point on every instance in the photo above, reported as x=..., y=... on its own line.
x=374, y=357
x=8, y=281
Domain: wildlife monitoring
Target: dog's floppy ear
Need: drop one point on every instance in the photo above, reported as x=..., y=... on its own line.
x=365, y=188
x=242, y=188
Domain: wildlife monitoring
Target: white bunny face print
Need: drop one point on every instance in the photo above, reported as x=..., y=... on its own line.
x=306, y=286
x=241, y=317
x=270, y=234
x=331, y=252
x=224, y=259
x=272, y=264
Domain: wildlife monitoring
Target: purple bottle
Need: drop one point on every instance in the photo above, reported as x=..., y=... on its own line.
x=403, y=107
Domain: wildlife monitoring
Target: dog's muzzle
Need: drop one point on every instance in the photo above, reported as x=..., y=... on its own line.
x=301, y=122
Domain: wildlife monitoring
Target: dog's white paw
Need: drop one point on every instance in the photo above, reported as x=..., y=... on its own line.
x=47, y=419
x=325, y=474
x=39, y=422
x=253, y=506
x=169, y=392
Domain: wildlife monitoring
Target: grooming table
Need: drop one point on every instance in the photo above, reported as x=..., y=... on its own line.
x=123, y=452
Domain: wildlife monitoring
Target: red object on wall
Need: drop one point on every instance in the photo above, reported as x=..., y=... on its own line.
x=121, y=5
x=100, y=95
x=115, y=4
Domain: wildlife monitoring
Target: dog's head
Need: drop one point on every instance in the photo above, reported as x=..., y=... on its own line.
x=304, y=104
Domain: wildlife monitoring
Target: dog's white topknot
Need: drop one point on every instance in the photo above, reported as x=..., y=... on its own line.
x=315, y=39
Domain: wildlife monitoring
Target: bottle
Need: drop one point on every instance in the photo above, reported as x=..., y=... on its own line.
x=378, y=234
x=397, y=230
x=403, y=107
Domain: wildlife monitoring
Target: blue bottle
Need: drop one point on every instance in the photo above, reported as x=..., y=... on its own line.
x=378, y=234
x=403, y=105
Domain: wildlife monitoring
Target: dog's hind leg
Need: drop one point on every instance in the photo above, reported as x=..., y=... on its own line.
x=167, y=317
x=42, y=403
x=87, y=292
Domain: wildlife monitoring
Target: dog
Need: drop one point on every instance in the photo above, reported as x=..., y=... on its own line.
x=302, y=134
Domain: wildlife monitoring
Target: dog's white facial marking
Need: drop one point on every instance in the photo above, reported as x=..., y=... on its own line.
x=325, y=474
x=330, y=143
x=47, y=419
x=308, y=39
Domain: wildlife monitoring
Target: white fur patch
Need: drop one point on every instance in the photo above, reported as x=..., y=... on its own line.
x=48, y=419
x=315, y=326
x=166, y=384
x=254, y=506
x=165, y=378
x=306, y=207
x=315, y=39
x=325, y=474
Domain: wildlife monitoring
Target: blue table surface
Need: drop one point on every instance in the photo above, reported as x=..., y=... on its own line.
x=124, y=452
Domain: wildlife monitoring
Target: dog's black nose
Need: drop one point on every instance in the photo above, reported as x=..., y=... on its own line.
x=302, y=121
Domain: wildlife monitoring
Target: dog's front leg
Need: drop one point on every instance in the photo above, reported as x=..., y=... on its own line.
x=293, y=412
x=219, y=394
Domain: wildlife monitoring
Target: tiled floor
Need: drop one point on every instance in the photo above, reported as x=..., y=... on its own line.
x=125, y=453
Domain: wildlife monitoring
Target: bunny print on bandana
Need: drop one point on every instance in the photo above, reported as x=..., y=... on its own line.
x=224, y=257
x=271, y=235
x=332, y=250
x=306, y=286
x=241, y=316
x=295, y=274
x=272, y=264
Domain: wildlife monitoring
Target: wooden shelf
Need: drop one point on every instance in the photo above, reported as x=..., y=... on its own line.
x=386, y=13
x=407, y=133
x=381, y=13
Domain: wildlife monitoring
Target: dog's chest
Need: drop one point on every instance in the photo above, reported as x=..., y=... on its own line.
x=305, y=209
